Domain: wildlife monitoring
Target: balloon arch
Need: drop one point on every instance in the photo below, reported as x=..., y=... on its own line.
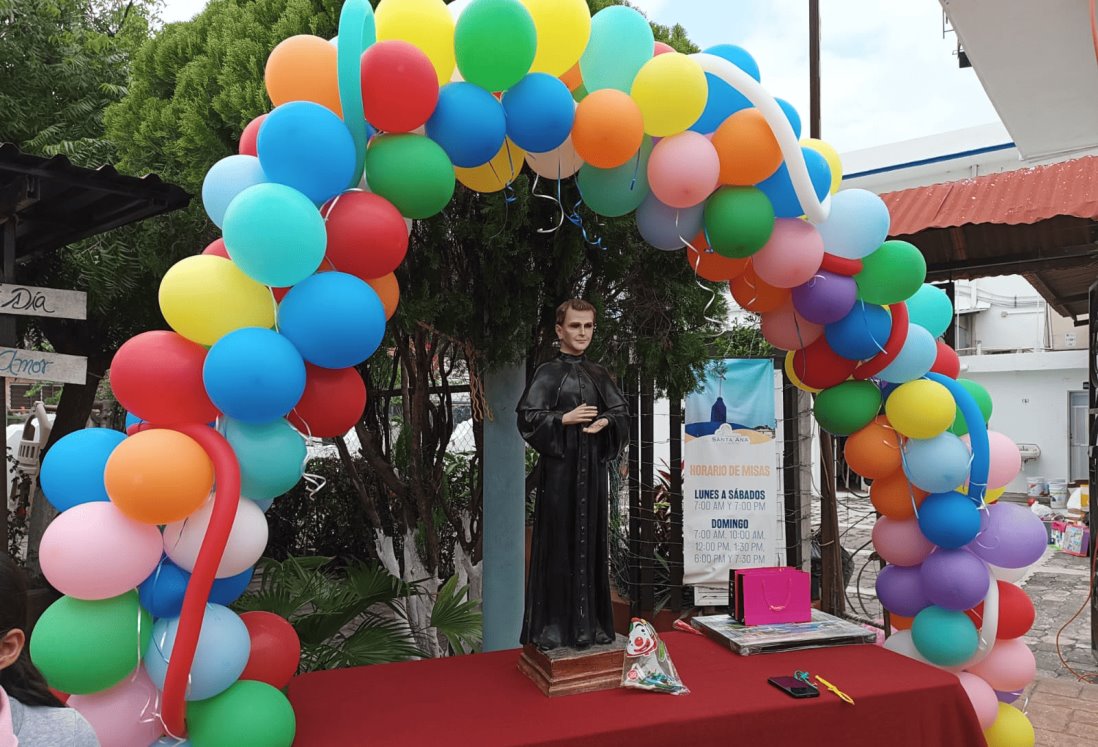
x=315, y=213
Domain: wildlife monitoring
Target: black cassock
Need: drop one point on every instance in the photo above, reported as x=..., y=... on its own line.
x=568, y=589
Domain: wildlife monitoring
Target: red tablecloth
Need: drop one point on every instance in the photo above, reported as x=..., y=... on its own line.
x=484, y=700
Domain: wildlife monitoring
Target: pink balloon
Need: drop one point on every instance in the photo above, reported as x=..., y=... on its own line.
x=786, y=329
x=900, y=541
x=1005, y=462
x=792, y=256
x=124, y=715
x=683, y=169
x=1010, y=666
x=94, y=551
x=982, y=696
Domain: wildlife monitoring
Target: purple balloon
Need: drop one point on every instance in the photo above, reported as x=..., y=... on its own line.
x=955, y=579
x=1008, y=697
x=826, y=298
x=900, y=590
x=1013, y=538
x=668, y=228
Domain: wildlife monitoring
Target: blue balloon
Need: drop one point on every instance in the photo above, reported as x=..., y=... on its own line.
x=306, y=146
x=949, y=520
x=72, y=470
x=255, y=375
x=265, y=505
x=977, y=430
x=468, y=123
x=936, y=465
x=222, y=653
x=540, y=111
x=723, y=100
x=131, y=421
x=862, y=333
x=779, y=188
x=915, y=359
x=271, y=456
x=333, y=319
x=275, y=235
x=170, y=742
x=225, y=180
x=668, y=228
x=856, y=226
x=792, y=115
x=162, y=592
x=227, y=590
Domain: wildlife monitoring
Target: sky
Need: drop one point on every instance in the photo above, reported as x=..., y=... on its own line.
x=887, y=73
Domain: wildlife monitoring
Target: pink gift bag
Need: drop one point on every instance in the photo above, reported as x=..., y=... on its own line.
x=768, y=596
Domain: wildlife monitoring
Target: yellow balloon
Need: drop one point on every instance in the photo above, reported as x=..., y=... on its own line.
x=205, y=297
x=671, y=92
x=831, y=156
x=497, y=173
x=563, y=27
x=424, y=23
x=920, y=409
x=1011, y=729
x=794, y=377
x=990, y=495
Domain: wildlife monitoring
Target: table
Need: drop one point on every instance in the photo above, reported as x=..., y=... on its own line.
x=484, y=700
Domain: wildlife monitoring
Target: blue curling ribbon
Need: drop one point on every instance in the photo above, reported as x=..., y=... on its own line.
x=577, y=220
x=977, y=430
x=357, y=33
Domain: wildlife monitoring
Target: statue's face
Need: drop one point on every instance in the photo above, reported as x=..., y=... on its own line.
x=576, y=332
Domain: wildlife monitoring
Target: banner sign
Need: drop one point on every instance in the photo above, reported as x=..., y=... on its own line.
x=40, y=366
x=732, y=502
x=26, y=300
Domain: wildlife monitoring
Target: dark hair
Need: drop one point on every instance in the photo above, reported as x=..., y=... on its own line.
x=575, y=304
x=21, y=680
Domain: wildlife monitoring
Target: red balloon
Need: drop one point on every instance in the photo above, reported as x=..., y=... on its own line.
x=399, y=86
x=947, y=363
x=249, y=136
x=366, y=234
x=333, y=402
x=157, y=376
x=821, y=367
x=218, y=249
x=276, y=649
x=1016, y=613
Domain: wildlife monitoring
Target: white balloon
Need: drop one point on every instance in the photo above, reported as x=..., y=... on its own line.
x=559, y=163
x=1010, y=575
x=247, y=539
x=903, y=644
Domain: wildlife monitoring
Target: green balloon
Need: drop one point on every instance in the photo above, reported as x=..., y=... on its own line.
x=848, y=407
x=738, y=221
x=86, y=646
x=494, y=43
x=892, y=273
x=618, y=191
x=411, y=171
x=983, y=401
x=931, y=308
x=621, y=42
x=580, y=93
x=248, y=714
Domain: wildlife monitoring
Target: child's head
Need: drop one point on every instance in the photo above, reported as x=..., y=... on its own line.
x=18, y=676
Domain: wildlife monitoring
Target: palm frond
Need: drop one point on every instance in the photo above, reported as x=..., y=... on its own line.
x=457, y=617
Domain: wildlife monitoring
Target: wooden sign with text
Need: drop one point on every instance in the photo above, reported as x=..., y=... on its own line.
x=26, y=300
x=40, y=366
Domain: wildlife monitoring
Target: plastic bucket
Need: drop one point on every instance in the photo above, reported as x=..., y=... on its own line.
x=1035, y=486
x=1058, y=493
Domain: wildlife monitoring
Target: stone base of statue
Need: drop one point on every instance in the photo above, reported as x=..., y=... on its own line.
x=569, y=671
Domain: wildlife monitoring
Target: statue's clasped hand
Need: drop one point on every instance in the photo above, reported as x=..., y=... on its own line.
x=582, y=415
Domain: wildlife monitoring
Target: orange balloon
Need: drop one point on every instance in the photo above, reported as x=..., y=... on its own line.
x=711, y=266
x=892, y=496
x=747, y=148
x=755, y=295
x=874, y=451
x=573, y=78
x=609, y=128
x=158, y=476
x=388, y=290
x=304, y=68
x=899, y=622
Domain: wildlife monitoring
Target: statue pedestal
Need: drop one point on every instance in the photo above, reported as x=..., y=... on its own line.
x=568, y=671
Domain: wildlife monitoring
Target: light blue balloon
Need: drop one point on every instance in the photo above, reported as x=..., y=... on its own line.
x=335, y=320
x=618, y=191
x=668, y=228
x=779, y=188
x=225, y=180
x=944, y=637
x=621, y=42
x=131, y=420
x=936, y=465
x=931, y=308
x=306, y=146
x=540, y=112
x=723, y=100
x=468, y=123
x=170, y=742
x=915, y=359
x=72, y=470
x=265, y=505
x=856, y=226
x=271, y=456
x=275, y=235
x=222, y=653
x=254, y=375
x=792, y=115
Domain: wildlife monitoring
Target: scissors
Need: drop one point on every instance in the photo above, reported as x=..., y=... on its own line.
x=837, y=691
